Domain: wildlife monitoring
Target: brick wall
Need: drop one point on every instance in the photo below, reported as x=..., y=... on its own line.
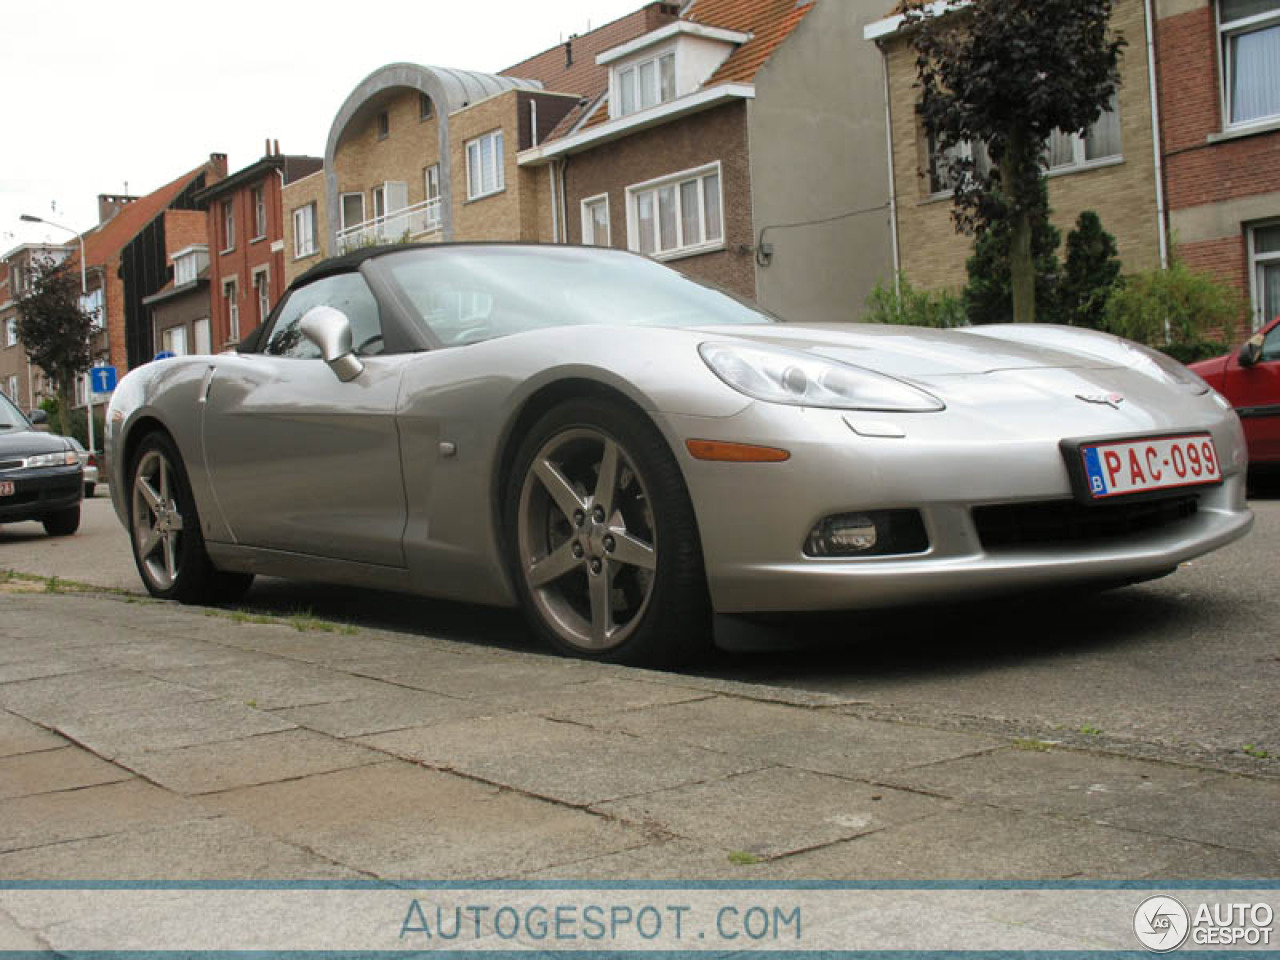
x=507, y=215
x=363, y=161
x=182, y=229
x=933, y=255
x=718, y=134
x=298, y=194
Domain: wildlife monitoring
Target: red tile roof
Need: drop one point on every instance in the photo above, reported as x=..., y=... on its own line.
x=105, y=241
x=584, y=76
x=768, y=21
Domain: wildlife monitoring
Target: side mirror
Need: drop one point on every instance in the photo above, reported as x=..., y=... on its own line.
x=38, y=418
x=1251, y=352
x=330, y=331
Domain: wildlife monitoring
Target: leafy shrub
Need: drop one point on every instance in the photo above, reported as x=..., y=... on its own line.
x=919, y=308
x=1173, y=309
x=1089, y=274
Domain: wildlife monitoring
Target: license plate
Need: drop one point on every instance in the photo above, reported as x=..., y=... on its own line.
x=1141, y=466
x=6, y=488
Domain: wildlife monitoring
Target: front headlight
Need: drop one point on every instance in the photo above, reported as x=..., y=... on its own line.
x=67, y=458
x=1162, y=367
x=777, y=375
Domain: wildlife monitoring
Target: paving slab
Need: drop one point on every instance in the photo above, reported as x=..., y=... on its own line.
x=166, y=728
x=560, y=761
x=587, y=702
x=266, y=758
x=215, y=849
x=167, y=653
x=50, y=665
x=19, y=735
x=92, y=812
x=393, y=708
x=1233, y=812
x=475, y=675
x=672, y=858
x=776, y=811
x=317, y=647
x=50, y=771
x=1055, y=781
x=15, y=938
x=270, y=683
x=399, y=821
x=981, y=842
x=816, y=740
x=62, y=699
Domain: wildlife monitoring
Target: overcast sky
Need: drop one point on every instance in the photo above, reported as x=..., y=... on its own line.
x=100, y=95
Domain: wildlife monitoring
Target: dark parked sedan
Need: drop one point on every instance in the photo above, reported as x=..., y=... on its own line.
x=40, y=475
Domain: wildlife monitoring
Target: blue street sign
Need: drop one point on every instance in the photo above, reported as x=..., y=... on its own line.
x=103, y=379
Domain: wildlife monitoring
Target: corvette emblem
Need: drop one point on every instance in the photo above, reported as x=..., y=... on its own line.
x=1112, y=400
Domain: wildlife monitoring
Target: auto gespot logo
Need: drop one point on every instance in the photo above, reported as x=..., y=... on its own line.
x=1162, y=924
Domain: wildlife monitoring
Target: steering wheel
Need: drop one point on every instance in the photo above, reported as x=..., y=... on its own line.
x=363, y=348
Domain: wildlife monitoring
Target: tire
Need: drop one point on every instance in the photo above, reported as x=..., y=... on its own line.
x=164, y=530
x=601, y=539
x=63, y=523
x=88, y=491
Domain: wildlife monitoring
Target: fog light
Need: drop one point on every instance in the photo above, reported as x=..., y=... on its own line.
x=876, y=533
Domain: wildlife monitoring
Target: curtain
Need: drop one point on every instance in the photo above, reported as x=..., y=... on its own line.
x=1255, y=75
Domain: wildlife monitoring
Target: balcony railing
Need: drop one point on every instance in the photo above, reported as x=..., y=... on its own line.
x=409, y=223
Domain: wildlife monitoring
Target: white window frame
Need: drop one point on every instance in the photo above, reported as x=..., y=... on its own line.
x=426, y=106
x=1226, y=33
x=1256, y=262
x=228, y=225
x=304, y=231
x=202, y=336
x=231, y=293
x=172, y=337
x=683, y=248
x=476, y=175
x=11, y=332
x=261, y=282
x=342, y=209
x=632, y=71
x=588, y=224
x=12, y=388
x=431, y=190
x=259, y=197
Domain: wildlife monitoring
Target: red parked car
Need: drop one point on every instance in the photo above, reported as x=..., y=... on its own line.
x=1250, y=379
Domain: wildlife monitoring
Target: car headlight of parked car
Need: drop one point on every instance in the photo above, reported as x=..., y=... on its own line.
x=778, y=375
x=66, y=458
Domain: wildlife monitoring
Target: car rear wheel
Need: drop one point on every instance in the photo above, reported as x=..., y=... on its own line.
x=63, y=523
x=602, y=539
x=168, y=546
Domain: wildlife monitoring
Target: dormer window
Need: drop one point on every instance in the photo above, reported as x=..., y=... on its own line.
x=647, y=83
x=188, y=263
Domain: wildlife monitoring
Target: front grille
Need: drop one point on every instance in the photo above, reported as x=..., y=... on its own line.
x=1066, y=521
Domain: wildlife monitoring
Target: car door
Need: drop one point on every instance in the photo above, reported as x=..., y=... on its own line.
x=1255, y=393
x=298, y=460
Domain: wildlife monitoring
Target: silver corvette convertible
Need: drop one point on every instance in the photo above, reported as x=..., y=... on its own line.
x=621, y=451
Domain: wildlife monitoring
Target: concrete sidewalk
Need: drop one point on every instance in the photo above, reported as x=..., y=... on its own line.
x=141, y=740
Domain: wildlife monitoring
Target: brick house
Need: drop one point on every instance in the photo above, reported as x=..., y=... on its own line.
x=22, y=383
x=1112, y=169
x=1221, y=141
x=423, y=153
x=742, y=141
x=237, y=265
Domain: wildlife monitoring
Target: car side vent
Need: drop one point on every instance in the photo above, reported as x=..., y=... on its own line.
x=1066, y=521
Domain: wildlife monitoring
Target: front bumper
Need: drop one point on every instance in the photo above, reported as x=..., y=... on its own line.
x=38, y=493
x=754, y=518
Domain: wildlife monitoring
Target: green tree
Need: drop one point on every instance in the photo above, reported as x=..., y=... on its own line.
x=54, y=330
x=1089, y=275
x=1005, y=74
x=988, y=296
x=1175, y=310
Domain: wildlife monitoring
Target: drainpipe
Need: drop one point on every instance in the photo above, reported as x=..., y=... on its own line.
x=1155, y=134
x=555, y=203
x=893, y=188
x=564, y=197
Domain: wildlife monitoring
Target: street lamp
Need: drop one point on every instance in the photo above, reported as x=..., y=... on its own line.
x=84, y=295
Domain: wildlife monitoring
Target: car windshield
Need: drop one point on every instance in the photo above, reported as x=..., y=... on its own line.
x=468, y=294
x=11, y=417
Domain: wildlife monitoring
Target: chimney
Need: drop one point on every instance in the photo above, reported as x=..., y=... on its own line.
x=568, y=50
x=109, y=204
x=276, y=145
x=218, y=161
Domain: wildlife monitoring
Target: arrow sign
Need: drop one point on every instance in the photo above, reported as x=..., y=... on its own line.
x=103, y=379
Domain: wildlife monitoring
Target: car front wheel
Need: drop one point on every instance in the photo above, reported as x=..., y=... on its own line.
x=63, y=523
x=168, y=546
x=602, y=539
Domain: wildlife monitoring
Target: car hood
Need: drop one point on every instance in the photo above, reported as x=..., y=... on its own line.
x=25, y=443
x=919, y=353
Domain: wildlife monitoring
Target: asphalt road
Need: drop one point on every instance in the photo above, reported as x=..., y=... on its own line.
x=1181, y=668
